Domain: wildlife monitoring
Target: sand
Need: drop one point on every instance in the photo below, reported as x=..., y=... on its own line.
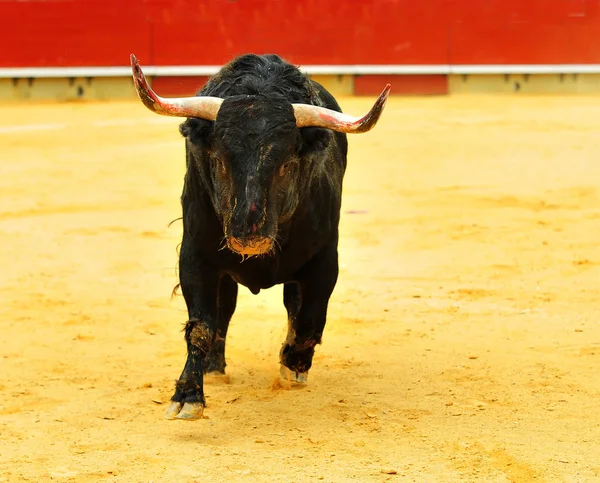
x=463, y=339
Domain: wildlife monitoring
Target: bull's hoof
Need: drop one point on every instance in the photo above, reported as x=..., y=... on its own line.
x=187, y=411
x=173, y=410
x=293, y=376
x=297, y=358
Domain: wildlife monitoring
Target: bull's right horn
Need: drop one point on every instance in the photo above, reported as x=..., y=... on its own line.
x=308, y=115
x=202, y=107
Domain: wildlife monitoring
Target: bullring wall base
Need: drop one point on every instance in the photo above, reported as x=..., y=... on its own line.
x=120, y=88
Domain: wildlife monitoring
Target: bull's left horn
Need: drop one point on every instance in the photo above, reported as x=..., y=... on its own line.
x=315, y=116
x=202, y=107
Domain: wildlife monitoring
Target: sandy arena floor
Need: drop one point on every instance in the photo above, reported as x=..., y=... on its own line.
x=463, y=342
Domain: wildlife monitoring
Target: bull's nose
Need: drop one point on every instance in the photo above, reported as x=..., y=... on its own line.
x=251, y=245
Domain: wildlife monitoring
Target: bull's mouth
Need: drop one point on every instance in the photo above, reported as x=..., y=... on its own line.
x=250, y=247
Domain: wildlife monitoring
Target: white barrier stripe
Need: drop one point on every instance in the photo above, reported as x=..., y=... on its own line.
x=208, y=70
x=526, y=69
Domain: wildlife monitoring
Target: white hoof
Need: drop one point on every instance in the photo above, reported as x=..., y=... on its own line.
x=187, y=411
x=293, y=376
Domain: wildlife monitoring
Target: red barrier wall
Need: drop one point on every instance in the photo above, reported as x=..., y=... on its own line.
x=306, y=32
x=73, y=33
x=58, y=33
x=525, y=32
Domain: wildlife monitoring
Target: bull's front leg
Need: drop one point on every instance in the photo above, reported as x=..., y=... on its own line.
x=199, y=285
x=215, y=361
x=306, y=302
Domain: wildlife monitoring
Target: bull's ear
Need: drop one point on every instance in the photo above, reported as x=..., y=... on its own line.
x=314, y=139
x=198, y=131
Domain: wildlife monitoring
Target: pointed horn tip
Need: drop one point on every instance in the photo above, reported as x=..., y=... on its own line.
x=136, y=70
x=386, y=91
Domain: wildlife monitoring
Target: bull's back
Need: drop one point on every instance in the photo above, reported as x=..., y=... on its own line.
x=268, y=74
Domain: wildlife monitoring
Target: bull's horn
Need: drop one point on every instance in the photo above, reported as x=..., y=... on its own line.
x=202, y=107
x=315, y=116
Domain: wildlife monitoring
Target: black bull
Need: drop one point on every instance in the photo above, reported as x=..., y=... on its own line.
x=265, y=155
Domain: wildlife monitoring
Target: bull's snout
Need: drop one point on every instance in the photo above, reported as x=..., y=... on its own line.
x=250, y=246
x=248, y=223
x=248, y=236
x=248, y=231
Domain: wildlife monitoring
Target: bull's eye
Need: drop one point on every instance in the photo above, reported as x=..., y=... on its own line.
x=220, y=165
x=285, y=168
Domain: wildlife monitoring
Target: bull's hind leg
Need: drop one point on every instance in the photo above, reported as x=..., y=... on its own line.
x=228, y=289
x=292, y=300
x=306, y=302
x=199, y=285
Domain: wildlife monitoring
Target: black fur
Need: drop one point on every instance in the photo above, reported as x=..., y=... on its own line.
x=253, y=169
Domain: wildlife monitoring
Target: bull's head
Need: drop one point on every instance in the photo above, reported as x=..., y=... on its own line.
x=251, y=147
